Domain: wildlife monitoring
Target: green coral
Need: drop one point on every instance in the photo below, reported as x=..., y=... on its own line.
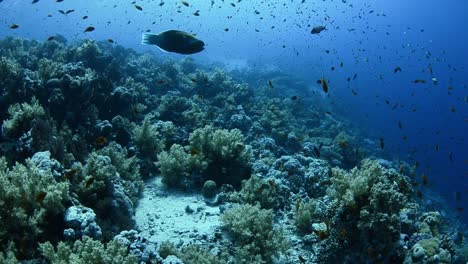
x=9, y=69
x=225, y=152
x=8, y=258
x=148, y=140
x=127, y=167
x=23, y=203
x=22, y=118
x=88, y=251
x=354, y=186
x=373, y=197
x=258, y=191
x=190, y=254
x=303, y=215
x=200, y=255
x=177, y=165
x=253, y=232
x=166, y=249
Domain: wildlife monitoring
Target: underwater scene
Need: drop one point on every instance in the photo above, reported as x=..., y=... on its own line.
x=233, y=131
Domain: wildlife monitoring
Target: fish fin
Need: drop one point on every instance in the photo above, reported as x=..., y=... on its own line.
x=150, y=39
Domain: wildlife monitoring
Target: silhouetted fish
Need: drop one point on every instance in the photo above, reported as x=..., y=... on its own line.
x=174, y=41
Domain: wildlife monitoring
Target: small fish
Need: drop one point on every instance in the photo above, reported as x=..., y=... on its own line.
x=185, y=3
x=424, y=180
x=382, y=143
x=14, y=26
x=401, y=170
x=194, y=152
x=84, y=17
x=69, y=174
x=324, y=85
x=272, y=184
x=196, y=13
x=400, y=126
x=301, y=258
x=50, y=38
x=138, y=7
x=298, y=205
x=69, y=11
x=89, y=181
x=419, y=194
x=451, y=156
x=343, y=144
x=174, y=41
x=226, y=29
x=321, y=234
x=58, y=1
x=270, y=83
x=318, y=29
x=110, y=41
x=419, y=81
x=344, y=233
x=89, y=29
x=317, y=152
x=40, y=196
x=452, y=109
x=397, y=69
x=294, y=98
x=34, y=1
x=101, y=140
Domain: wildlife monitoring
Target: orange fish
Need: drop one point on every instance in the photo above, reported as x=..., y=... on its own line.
x=40, y=196
x=101, y=140
x=89, y=182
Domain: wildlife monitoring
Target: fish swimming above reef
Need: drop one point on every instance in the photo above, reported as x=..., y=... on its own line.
x=318, y=29
x=174, y=41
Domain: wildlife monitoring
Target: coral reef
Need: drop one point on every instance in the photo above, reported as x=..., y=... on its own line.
x=83, y=125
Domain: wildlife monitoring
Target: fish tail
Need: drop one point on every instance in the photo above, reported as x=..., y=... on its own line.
x=149, y=39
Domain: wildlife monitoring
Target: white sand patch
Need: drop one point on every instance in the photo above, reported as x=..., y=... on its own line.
x=161, y=215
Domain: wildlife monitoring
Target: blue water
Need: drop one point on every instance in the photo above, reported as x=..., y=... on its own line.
x=371, y=38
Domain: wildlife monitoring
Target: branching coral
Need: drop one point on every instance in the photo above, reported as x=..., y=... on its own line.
x=88, y=251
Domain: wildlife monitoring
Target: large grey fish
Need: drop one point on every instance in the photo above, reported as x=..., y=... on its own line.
x=174, y=41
